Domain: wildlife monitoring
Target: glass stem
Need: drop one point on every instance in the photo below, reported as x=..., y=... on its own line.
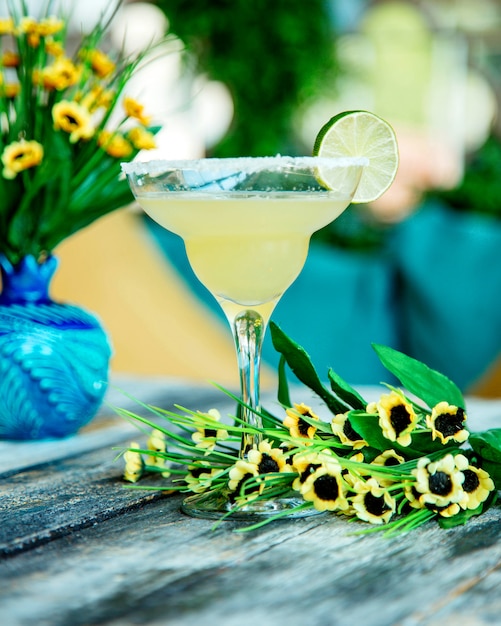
x=248, y=330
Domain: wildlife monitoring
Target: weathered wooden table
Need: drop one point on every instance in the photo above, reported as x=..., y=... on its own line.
x=76, y=548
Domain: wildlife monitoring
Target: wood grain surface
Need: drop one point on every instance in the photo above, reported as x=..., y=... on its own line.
x=78, y=548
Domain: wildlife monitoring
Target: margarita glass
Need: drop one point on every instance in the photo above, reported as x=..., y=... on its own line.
x=246, y=224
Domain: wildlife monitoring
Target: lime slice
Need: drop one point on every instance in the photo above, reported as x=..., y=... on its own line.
x=361, y=134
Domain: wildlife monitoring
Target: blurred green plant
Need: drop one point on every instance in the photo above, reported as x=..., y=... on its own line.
x=273, y=56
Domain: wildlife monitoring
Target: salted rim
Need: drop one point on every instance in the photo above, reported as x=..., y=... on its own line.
x=243, y=164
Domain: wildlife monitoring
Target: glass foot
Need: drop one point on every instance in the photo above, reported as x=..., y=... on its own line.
x=217, y=505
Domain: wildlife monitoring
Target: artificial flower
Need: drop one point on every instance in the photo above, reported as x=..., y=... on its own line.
x=19, y=156
x=325, y=488
x=206, y=437
x=54, y=105
x=439, y=483
x=387, y=458
x=299, y=427
x=100, y=62
x=477, y=486
x=141, y=138
x=157, y=443
x=447, y=423
x=397, y=417
x=199, y=477
x=239, y=475
x=134, y=464
x=341, y=426
x=115, y=144
x=135, y=110
x=60, y=75
x=73, y=119
x=372, y=503
x=268, y=459
x=305, y=464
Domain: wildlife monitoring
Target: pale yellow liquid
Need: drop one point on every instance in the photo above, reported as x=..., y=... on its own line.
x=246, y=250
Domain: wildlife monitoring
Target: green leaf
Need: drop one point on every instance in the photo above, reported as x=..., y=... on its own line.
x=300, y=363
x=346, y=392
x=487, y=445
x=428, y=384
x=367, y=426
x=283, y=385
x=463, y=516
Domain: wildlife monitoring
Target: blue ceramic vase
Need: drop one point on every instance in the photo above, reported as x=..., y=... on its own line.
x=54, y=358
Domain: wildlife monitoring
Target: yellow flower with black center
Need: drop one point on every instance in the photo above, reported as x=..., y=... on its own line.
x=62, y=74
x=239, y=474
x=447, y=422
x=342, y=428
x=305, y=464
x=141, y=138
x=207, y=436
x=73, y=119
x=199, y=477
x=134, y=464
x=397, y=418
x=388, y=458
x=135, y=110
x=19, y=156
x=477, y=485
x=439, y=483
x=372, y=502
x=299, y=427
x=114, y=144
x=100, y=63
x=325, y=488
x=268, y=459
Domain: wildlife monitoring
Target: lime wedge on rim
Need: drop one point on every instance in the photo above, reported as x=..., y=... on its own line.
x=361, y=134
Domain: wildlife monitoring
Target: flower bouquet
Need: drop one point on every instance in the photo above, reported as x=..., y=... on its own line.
x=65, y=125
x=395, y=463
x=60, y=155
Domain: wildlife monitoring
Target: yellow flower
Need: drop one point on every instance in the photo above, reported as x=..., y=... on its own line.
x=55, y=48
x=30, y=27
x=134, y=464
x=96, y=97
x=206, y=437
x=268, y=459
x=60, y=75
x=141, y=138
x=325, y=488
x=397, y=418
x=477, y=485
x=10, y=90
x=100, y=62
x=239, y=474
x=19, y=156
x=307, y=463
x=50, y=26
x=157, y=443
x=439, y=484
x=298, y=427
x=372, y=503
x=74, y=119
x=134, y=109
x=200, y=477
x=447, y=422
x=7, y=26
x=10, y=59
x=342, y=427
x=114, y=144
x=388, y=458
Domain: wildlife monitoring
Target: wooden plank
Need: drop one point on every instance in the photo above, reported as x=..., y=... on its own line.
x=155, y=566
